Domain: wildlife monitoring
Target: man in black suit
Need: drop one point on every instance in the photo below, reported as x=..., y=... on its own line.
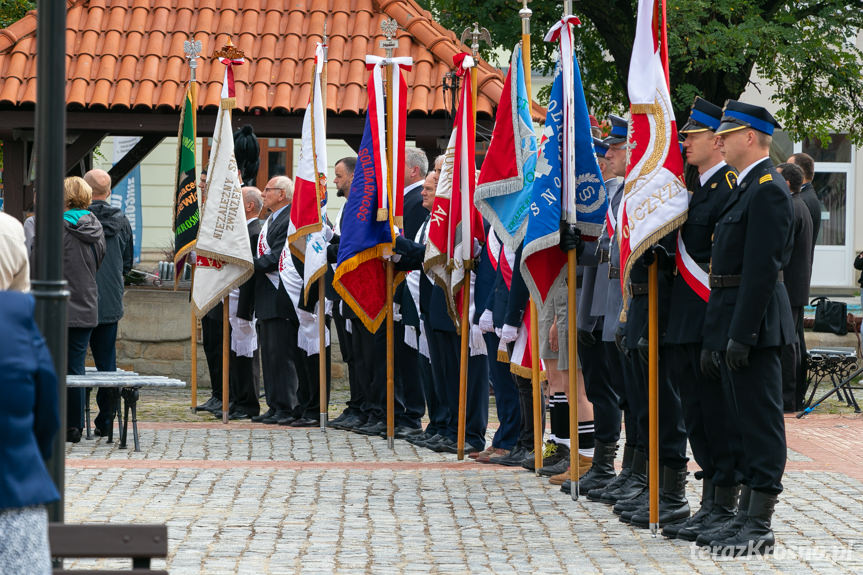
x=273, y=307
x=807, y=192
x=244, y=400
x=748, y=320
x=797, y=275
x=705, y=402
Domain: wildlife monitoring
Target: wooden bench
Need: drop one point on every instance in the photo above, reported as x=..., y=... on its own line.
x=140, y=543
x=129, y=383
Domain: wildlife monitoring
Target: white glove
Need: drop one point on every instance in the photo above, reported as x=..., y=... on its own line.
x=327, y=232
x=477, y=248
x=486, y=323
x=477, y=343
x=392, y=257
x=508, y=334
x=309, y=327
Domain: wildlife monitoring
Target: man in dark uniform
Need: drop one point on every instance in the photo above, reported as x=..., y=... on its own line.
x=748, y=320
x=704, y=401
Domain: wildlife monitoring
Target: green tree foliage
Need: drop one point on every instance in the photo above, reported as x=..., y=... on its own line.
x=803, y=51
x=13, y=10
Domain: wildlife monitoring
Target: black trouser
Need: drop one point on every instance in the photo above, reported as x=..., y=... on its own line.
x=309, y=392
x=103, y=340
x=757, y=396
x=802, y=366
x=525, y=402
x=634, y=405
x=706, y=405
x=672, y=433
x=211, y=336
x=278, y=351
x=242, y=385
x=363, y=346
x=354, y=402
x=444, y=351
x=408, y=389
x=438, y=409
x=791, y=359
x=596, y=368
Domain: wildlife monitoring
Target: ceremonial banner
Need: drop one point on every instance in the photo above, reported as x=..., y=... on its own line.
x=310, y=183
x=568, y=185
x=455, y=221
x=655, y=200
x=224, y=257
x=503, y=192
x=360, y=277
x=186, y=213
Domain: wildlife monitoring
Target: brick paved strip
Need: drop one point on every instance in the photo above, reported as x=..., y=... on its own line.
x=279, y=465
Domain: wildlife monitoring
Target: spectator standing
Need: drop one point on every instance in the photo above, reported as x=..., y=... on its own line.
x=83, y=251
x=109, y=280
x=29, y=420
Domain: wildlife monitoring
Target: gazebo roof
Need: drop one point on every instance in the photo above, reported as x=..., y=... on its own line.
x=127, y=55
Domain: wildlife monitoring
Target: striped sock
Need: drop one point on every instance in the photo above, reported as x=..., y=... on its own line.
x=585, y=438
x=559, y=415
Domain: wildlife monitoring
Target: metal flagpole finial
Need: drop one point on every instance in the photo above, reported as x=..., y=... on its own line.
x=192, y=49
x=476, y=35
x=389, y=27
x=325, y=40
x=525, y=13
x=567, y=7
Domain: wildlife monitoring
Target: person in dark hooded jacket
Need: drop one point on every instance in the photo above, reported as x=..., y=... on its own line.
x=109, y=280
x=83, y=250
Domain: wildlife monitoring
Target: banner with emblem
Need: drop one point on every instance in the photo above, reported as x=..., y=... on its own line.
x=655, y=200
x=224, y=257
x=360, y=277
x=186, y=213
x=455, y=222
x=568, y=185
x=503, y=191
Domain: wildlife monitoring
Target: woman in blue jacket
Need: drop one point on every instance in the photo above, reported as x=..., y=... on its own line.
x=29, y=419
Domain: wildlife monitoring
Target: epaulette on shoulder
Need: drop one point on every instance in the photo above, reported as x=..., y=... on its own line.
x=766, y=178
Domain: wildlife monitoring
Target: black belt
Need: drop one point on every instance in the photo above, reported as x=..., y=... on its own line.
x=733, y=280
x=639, y=289
x=613, y=273
x=603, y=256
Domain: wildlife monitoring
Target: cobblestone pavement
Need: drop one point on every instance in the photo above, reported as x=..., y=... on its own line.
x=250, y=498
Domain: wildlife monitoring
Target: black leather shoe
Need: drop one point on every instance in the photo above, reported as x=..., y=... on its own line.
x=429, y=441
x=238, y=415
x=375, y=428
x=419, y=438
x=277, y=417
x=305, y=422
x=287, y=420
x=514, y=459
x=718, y=530
x=73, y=435
x=344, y=415
x=755, y=537
x=445, y=445
x=99, y=432
x=692, y=524
x=211, y=404
x=351, y=423
x=404, y=432
x=259, y=418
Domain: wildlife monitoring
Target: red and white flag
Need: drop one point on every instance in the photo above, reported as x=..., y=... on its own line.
x=655, y=200
x=311, y=180
x=455, y=221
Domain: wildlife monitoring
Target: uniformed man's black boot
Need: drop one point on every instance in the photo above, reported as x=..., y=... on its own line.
x=629, y=507
x=729, y=528
x=614, y=484
x=756, y=536
x=671, y=530
x=673, y=506
x=723, y=508
x=636, y=483
x=601, y=470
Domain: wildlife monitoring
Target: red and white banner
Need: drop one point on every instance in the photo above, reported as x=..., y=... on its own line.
x=311, y=180
x=655, y=200
x=455, y=221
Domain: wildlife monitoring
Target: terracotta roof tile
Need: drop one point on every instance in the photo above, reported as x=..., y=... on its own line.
x=125, y=54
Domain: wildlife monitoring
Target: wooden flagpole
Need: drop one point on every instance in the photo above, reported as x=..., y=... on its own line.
x=525, y=13
x=653, y=328
x=476, y=35
x=389, y=28
x=572, y=341
x=192, y=49
x=322, y=308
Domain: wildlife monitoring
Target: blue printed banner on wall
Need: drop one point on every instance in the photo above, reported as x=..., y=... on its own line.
x=126, y=195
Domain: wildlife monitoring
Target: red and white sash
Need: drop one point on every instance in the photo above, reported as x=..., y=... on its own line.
x=695, y=277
